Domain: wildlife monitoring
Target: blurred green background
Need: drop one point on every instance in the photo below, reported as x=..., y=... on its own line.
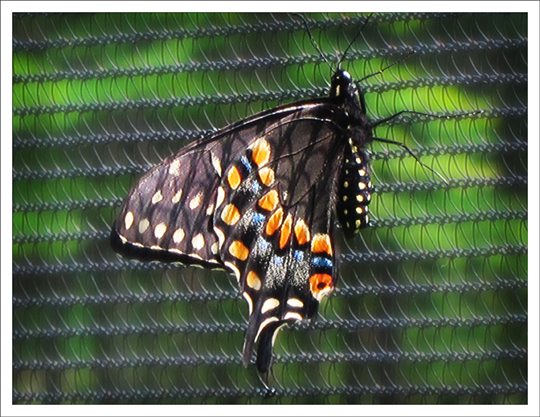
x=431, y=305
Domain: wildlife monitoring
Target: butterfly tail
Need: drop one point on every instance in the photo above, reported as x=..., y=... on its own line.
x=265, y=339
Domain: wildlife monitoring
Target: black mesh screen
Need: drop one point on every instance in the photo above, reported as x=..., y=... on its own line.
x=431, y=305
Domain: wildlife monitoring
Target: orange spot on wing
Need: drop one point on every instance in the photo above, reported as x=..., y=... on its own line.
x=234, y=178
x=230, y=214
x=274, y=222
x=239, y=250
x=285, y=231
x=320, y=285
x=267, y=176
x=301, y=231
x=253, y=281
x=261, y=152
x=269, y=201
x=321, y=243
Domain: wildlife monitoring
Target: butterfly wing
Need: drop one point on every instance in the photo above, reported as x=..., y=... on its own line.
x=258, y=199
x=275, y=222
x=168, y=215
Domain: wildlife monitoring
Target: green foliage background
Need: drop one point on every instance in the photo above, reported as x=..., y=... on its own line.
x=431, y=306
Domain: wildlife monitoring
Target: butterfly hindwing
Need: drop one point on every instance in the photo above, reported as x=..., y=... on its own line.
x=275, y=222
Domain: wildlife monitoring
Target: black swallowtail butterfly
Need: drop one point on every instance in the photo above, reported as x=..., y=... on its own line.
x=260, y=198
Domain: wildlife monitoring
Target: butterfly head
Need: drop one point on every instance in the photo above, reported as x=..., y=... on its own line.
x=342, y=84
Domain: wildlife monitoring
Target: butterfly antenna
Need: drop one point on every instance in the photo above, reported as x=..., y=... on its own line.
x=387, y=67
x=353, y=40
x=312, y=39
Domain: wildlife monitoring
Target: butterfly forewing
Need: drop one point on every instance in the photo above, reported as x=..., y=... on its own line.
x=169, y=213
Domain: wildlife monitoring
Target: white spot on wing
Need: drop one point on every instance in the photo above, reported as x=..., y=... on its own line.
x=195, y=201
x=295, y=302
x=198, y=241
x=264, y=324
x=176, y=198
x=216, y=163
x=160, y=230
x=128, y=220
x=220, y=196
x=143, y=225
x=269, y=304
x=174, y=168
x=178, y=235
x=157, y=197
x=249, y=301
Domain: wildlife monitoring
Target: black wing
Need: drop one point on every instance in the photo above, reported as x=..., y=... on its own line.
x=257, y=199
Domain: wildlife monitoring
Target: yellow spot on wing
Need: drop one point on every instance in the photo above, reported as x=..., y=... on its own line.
x=249, y=301
x=198, y=241
x=143, y=225
x=195, y=201
x=157, y=197
x=178, y=235
x=291, y=315
x=174, y=168
x=176, y=198
x=264, y=324
x=295, y=302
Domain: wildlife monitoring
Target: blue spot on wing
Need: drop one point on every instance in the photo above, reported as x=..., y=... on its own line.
x=262, y=245
x=322, y=262
x=253, y=186
x=298, y=255
x=258, y=218
x=246, y=163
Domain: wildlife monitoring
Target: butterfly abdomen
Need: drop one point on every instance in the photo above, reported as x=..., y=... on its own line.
x=355, y=190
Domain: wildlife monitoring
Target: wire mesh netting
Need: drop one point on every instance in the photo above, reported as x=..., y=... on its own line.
x=431, y=304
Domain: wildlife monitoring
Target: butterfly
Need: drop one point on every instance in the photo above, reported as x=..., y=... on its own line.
x=261, y=199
